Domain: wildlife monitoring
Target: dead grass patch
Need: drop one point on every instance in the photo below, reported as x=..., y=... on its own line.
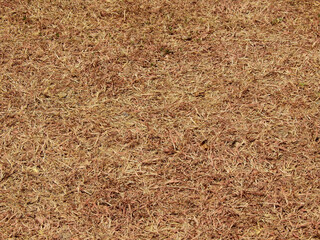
x=159, y=119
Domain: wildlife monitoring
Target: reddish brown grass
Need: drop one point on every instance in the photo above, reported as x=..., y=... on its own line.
x=141, y=119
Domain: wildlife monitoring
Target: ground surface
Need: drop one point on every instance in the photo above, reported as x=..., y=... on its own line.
x=159, y=119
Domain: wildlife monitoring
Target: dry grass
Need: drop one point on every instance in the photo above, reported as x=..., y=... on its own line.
x=159, y=119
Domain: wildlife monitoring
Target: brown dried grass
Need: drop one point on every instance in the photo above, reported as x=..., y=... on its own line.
x=159, y=119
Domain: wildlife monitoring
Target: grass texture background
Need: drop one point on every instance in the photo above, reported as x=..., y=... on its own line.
x=159, y=119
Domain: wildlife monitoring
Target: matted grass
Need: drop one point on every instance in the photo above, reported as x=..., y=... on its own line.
x=159, y=119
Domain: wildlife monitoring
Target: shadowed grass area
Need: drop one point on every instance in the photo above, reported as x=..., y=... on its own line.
x=159, y=119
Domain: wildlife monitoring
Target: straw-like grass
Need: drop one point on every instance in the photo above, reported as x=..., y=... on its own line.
x=141, y=119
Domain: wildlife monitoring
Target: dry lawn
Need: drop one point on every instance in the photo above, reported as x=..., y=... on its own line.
x=180, y=119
